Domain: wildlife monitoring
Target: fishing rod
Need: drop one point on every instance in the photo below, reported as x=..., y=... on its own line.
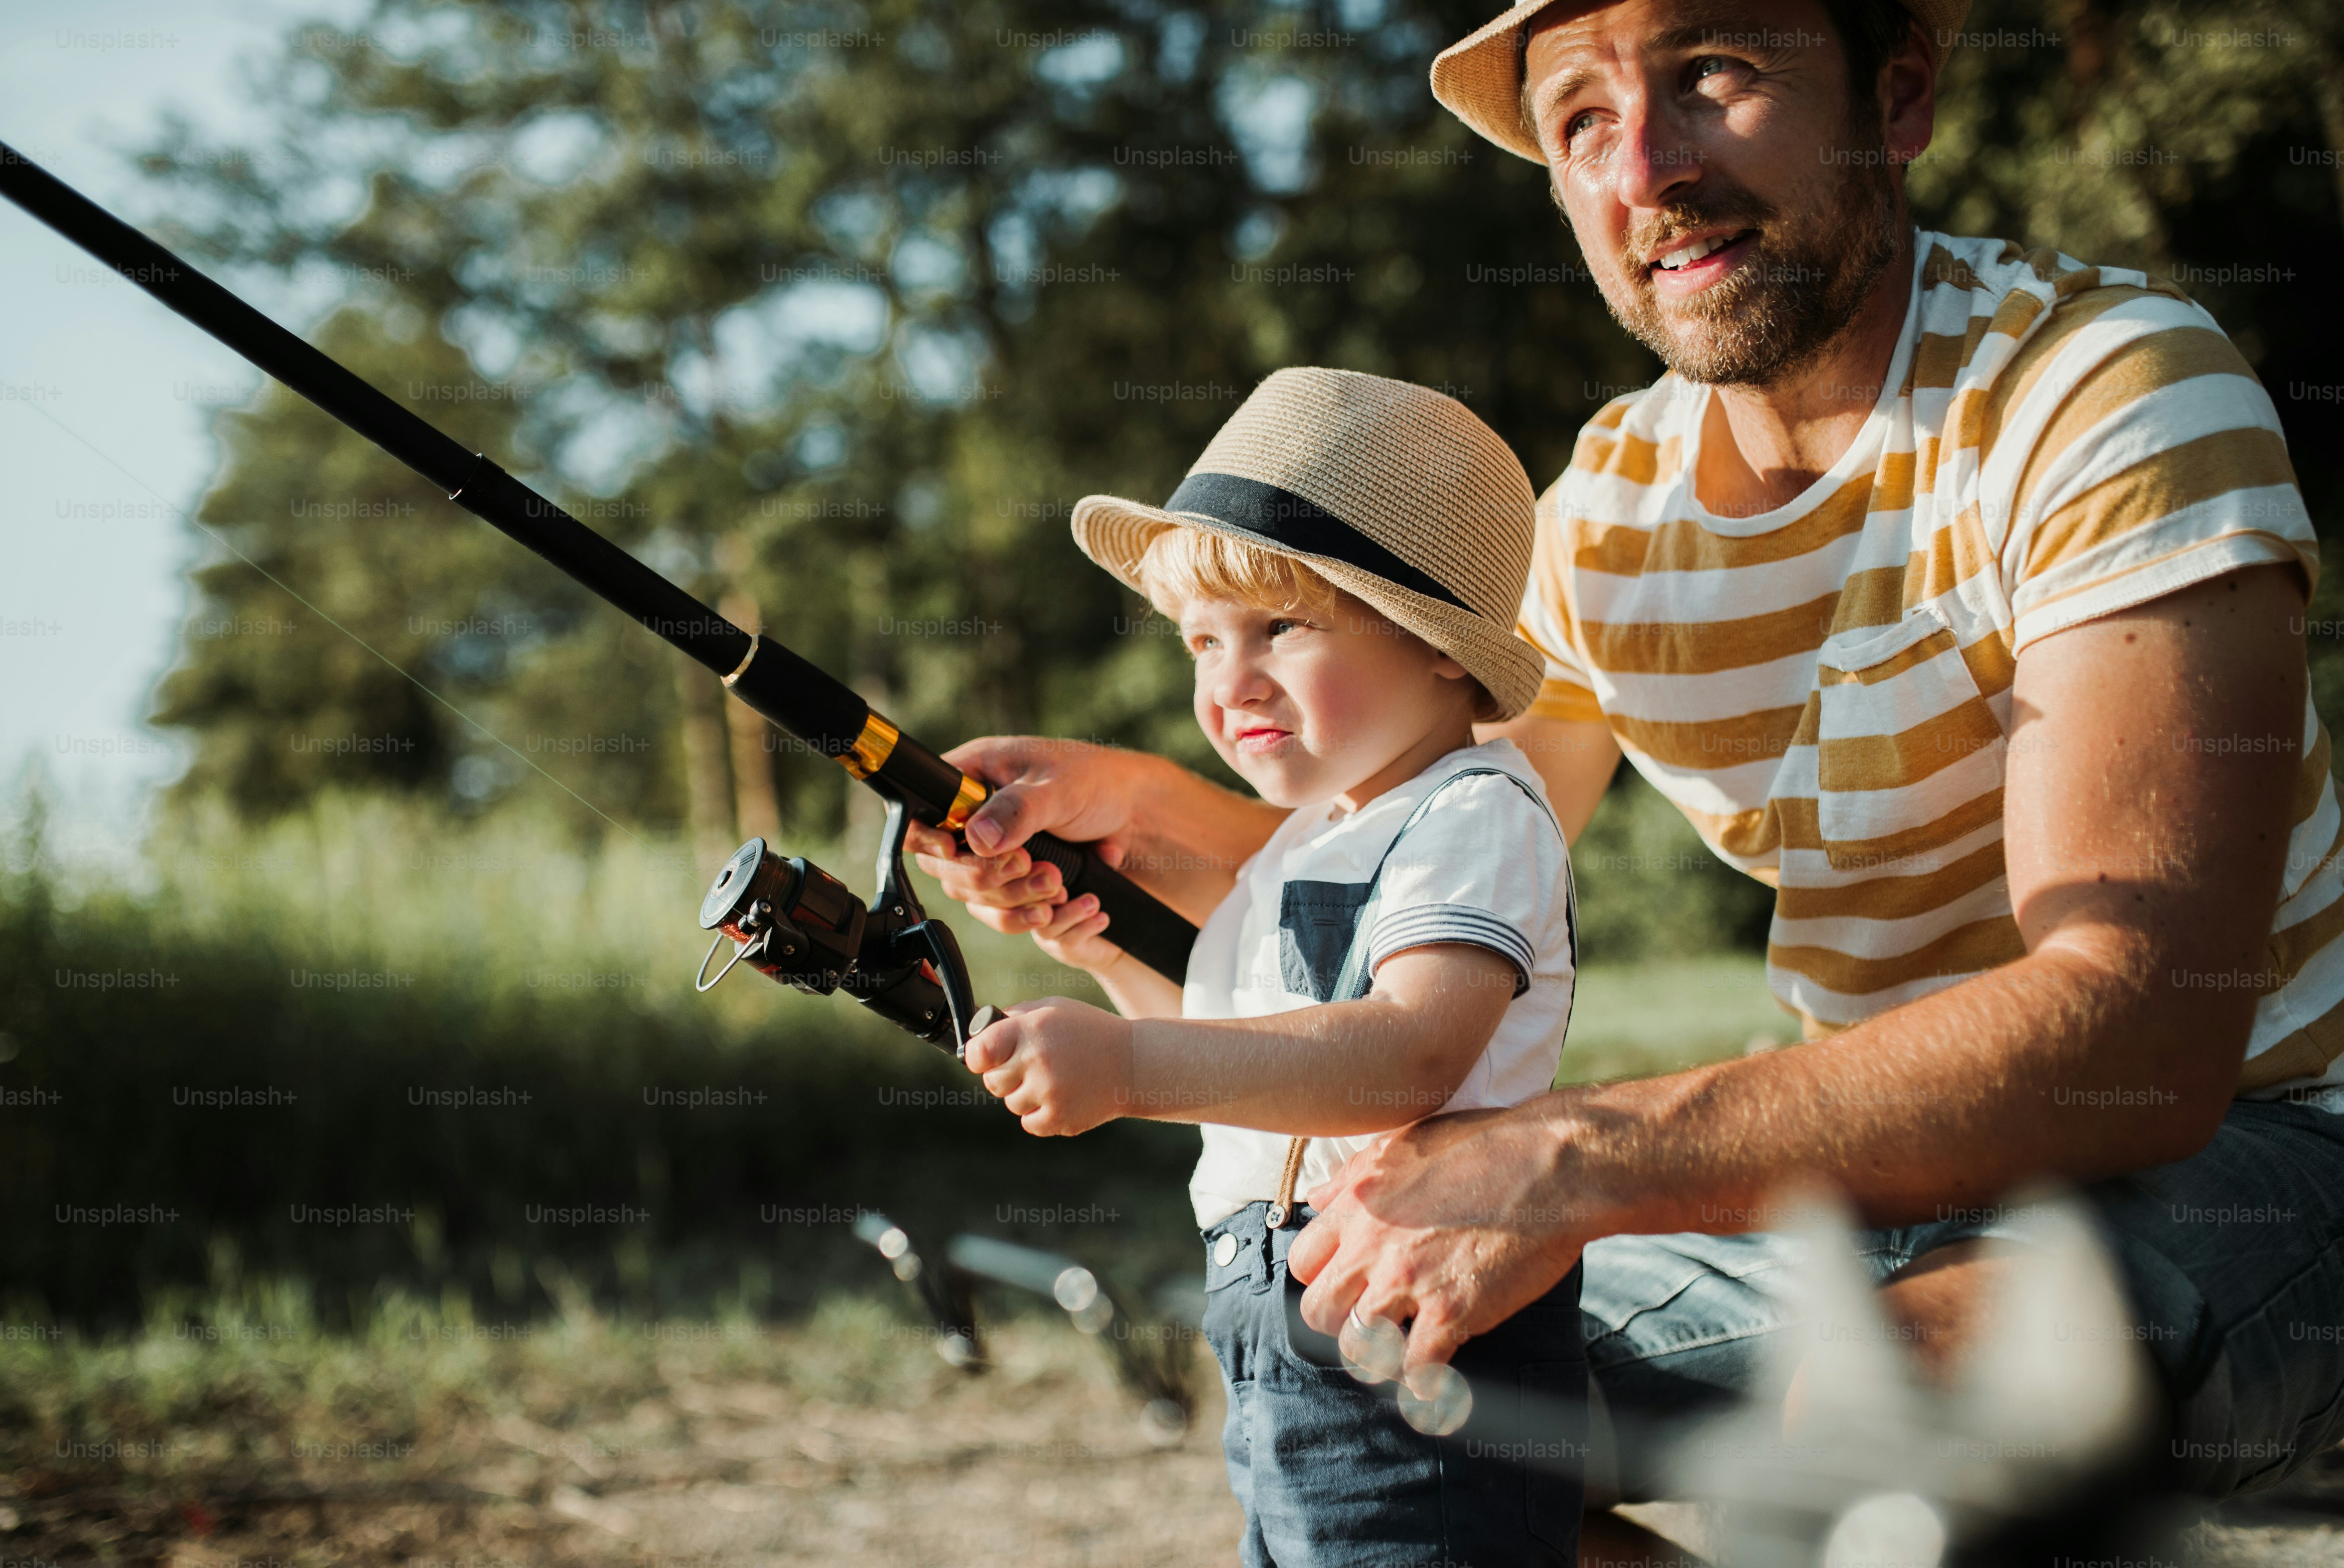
x=786, y=918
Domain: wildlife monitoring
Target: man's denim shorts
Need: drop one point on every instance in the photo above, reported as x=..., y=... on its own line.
x=2233, y=1259
x=1328, y=1473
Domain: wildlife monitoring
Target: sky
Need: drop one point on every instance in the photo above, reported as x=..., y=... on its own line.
x=106, y=398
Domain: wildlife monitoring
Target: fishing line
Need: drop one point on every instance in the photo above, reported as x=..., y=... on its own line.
x=216, y=537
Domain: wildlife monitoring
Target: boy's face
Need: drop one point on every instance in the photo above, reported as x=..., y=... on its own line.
x=1307, y=705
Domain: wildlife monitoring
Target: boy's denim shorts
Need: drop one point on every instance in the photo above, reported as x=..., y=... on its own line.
x=1328, y=1473
x=2233, y=1260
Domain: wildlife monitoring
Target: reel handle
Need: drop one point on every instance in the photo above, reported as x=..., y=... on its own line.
x=795, y=922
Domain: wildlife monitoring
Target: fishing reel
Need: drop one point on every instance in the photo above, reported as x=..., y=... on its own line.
x=790, y=919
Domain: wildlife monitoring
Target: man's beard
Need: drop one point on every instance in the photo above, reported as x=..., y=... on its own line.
x=1802, y=284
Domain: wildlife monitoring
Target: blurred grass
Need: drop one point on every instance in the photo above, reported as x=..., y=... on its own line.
x=726, y=1141
x=735, y=1135
x=1634, y=1021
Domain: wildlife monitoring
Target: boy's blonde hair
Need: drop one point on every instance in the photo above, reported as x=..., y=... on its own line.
x=1181, y=565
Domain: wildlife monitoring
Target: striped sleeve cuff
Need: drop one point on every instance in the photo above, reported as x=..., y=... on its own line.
x=1422, y=925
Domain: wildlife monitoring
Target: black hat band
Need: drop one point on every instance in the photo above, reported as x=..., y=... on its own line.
x=1296, y=523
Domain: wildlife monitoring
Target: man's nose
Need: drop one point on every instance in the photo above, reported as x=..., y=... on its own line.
x=1654, y=157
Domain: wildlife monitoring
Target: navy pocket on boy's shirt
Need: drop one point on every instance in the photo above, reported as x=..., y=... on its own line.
x=1315, y=922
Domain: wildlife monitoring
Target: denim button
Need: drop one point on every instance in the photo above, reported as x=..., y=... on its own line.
x=1225, y=1251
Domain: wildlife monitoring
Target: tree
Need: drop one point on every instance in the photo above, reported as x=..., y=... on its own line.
x=842, y=306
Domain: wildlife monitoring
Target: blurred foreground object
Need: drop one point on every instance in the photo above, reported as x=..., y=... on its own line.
x=2038, y=1453
x=1154, y=1359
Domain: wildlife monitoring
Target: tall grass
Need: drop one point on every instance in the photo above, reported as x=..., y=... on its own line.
x=372, y=1051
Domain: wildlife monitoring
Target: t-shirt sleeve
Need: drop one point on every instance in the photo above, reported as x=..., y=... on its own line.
x=2159, y=463
x=1545, y=620
x=1484, y=866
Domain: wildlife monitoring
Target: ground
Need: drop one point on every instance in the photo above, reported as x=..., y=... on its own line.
x=1042, y=1463
x=426, y=1440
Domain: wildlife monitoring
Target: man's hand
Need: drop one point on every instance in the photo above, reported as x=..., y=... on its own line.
x=1064, y=1067
x=1192, y=835
x=1450, y=1223
x=1082, y=793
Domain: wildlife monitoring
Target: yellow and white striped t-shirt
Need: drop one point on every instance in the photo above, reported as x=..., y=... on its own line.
x=1824, y=688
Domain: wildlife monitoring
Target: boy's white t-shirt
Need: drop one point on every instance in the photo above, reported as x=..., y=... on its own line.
x=1486, y=865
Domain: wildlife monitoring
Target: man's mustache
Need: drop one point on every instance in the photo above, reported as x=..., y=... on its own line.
x=1740, y=210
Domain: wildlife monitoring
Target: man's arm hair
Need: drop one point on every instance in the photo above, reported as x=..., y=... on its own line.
x=2145, y=852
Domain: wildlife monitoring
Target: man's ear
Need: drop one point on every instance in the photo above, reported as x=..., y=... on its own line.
x=1907, y=90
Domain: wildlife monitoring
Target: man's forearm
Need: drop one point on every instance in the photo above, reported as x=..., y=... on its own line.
x=1188, y=835
x=2141, y=845
x=2058, y=1065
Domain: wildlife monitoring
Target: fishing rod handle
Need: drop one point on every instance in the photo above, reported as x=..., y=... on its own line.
x=776, y=682
x=1138, y=922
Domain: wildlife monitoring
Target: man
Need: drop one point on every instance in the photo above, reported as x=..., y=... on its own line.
x=1956, y=593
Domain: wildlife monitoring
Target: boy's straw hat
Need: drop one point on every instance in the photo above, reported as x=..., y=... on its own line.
x=1479, y=76
x=1392, y=492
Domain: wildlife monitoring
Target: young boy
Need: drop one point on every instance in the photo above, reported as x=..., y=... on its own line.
x=1344, y=563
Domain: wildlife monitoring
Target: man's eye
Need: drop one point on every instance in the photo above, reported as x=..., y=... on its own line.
x=1708, y=66
x=1576, y=124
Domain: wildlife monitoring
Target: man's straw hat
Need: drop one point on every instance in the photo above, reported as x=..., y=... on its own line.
x=1392, y=492
x=1479, y=76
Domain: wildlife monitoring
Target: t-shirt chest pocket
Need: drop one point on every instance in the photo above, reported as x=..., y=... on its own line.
x=1315, y=922
x=1903, y=734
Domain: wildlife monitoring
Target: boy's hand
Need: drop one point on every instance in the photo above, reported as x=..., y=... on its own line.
x=1063, y=1065
x=1072, y=936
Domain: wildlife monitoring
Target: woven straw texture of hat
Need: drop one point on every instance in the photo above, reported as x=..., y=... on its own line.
x=1478, y=77
x=1408, y=468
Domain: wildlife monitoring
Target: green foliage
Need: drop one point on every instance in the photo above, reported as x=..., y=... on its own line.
x=1650, y=889
x=850, y=328
x=2197, y=141
x=1639, y=1019
x=843, y=306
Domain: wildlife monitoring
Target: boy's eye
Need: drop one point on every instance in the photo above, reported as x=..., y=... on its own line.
x=1282, y=625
